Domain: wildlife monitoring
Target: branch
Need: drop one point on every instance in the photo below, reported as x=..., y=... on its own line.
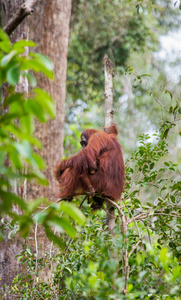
x=145, y=86
x=118, y=208
x=157, y=100
x=134, y=221
x=135, y=246
x=139, y=217
x=24, y=10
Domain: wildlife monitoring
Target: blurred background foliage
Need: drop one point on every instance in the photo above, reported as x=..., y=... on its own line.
x=131, y=33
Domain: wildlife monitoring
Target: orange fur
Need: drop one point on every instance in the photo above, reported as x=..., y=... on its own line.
x=98, y=167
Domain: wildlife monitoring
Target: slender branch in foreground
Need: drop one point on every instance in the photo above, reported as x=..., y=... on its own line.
x=25, y=9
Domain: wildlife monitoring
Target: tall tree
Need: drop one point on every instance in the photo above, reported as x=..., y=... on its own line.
x=10, y=247
x=50, y=23
x=49, y=28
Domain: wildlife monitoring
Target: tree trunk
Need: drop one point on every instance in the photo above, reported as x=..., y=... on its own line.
x=49, y=28
x=11, y=247
x=109, y=113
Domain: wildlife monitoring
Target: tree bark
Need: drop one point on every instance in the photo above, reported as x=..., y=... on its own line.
x=109, y=113
x=49, y=28
x=24, y=10
x=109, y=74
x=11, y=246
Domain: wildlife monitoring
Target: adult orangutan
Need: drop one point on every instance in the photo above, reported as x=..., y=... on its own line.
x=97, y=168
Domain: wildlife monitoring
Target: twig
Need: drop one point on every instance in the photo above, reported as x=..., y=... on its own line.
x=145, y=86
x=82, y=202
x=135, y=246
x=134, y=221
x=139, y=217
x=36, y=247
x=25, y=9
x=116, y=205
x=157, y=100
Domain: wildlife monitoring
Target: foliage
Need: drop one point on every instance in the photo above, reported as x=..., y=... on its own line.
x=129, y=32
x=18, y=161
x=93, y=264
x=118, y=28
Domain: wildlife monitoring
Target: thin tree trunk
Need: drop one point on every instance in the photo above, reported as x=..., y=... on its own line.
x=109, y=113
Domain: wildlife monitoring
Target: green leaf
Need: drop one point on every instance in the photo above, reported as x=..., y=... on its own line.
x=24, y=148
x=6, y=59
x=176, y=186
x=62, y=223
x=10, y=198
x=36, y=108
x=16, y=159
x=152, y=165
x=13, y=98
x=170, y=109
x=3, y=35
x=31, y=79
x=5, y=119
x=167, y=91
x=5, y=46
x=46, y=101
x=13, y=75
x=172, y=198
x=27, y=126
x=24, y=226
x=39, y=63
x=22, y=44
x=2, y=158
x=71, y=210
x=33, y=205
x=54, y=238
x=164, y=256
x=41, y=216
x=145, y=75
x=44, y=60
x=150, y=204
x=40, y=162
